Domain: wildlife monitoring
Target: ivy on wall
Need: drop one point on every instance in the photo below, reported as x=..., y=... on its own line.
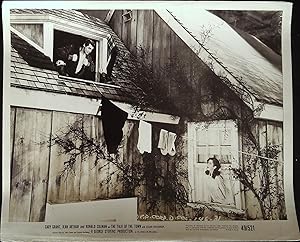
x=189, y=101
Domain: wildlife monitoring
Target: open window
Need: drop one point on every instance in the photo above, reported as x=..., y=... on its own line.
x=75, y=55
x=218, y=139
x=49, y=32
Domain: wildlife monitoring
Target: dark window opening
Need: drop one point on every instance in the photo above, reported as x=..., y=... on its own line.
x=127, y=15
x=74, y=55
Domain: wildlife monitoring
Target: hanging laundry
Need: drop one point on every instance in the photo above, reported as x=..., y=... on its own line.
x=166, y=142
x=145, y=137
x=113, y=120
x=163, y=141
x=171, y=144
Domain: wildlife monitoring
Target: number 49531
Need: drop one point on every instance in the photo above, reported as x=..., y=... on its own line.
x=248, y=227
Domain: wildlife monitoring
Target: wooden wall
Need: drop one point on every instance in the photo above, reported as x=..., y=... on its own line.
x=30, y=130
x=149, y=31
x=33, y=32
x=266, y=133
x=37, y=166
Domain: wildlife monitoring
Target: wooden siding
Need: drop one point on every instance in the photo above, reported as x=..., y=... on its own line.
x=33, y=32
x=148, y=31
x=266, y=133
x=206, y=93
x=37, y=165
x=30, y=159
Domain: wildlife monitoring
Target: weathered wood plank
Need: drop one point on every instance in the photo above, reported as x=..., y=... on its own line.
x=116, y=21
x=181, y=57
x=133, y=34
x=280, y=175
x=102, y=166
x=127, y=130
x=274, y=137
x=161, y=164
x=125, y=30
x=116, y=174
x=12, y=132
x=156, y=44
x=63, y=186
x=251, y=203
x=21, y=182
x=262, y=134
x=148, y=34
x=171, y=208
x=136, y=159
x=40, y=136
x=181, y=167
x=72, y=179
x=115, y=184
x=165, y=52
x=140, y=26
x=88, y=174
x=56, y=188
x=263, y=143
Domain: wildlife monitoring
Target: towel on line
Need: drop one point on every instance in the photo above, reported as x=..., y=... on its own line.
x=145, y=137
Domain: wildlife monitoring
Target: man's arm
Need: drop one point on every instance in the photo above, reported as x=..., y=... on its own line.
x=64, y=54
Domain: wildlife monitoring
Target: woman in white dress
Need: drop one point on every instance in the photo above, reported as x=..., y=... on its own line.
x=216, y=187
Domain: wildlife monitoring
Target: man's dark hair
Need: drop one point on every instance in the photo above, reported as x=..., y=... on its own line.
x=89, y=42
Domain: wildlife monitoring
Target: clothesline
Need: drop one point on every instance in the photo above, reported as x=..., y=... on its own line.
x=166, y=143
x=259, y=156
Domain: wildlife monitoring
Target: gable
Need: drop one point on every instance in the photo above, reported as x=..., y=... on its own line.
x=216, y=43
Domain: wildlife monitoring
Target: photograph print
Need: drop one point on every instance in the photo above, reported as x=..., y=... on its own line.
x=180, y=108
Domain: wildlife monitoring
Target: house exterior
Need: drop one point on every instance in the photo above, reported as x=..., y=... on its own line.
x=234, y=113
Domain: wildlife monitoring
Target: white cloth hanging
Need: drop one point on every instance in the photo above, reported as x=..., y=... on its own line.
x=171, y=144
x=145, y=137
x=166, y=142
x=163, y=141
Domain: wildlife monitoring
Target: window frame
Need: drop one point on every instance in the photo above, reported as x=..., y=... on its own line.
x=51, y=23
x=192, y=139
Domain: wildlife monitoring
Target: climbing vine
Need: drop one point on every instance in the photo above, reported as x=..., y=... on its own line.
x=187, y=89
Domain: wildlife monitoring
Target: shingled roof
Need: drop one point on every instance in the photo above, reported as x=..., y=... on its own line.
x=31, y=69
x=260, y=76
x=92, y=22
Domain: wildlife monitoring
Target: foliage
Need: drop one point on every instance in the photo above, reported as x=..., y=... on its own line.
x=176, y=85
x=78, y=145
x=260, y=176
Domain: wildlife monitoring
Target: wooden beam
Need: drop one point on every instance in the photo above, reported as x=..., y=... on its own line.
x=74, y=104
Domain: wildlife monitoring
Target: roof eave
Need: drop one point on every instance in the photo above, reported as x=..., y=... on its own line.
x=220, y=70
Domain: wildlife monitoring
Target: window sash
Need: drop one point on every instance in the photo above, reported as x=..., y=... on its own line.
x=51, y=23
x=228, y=147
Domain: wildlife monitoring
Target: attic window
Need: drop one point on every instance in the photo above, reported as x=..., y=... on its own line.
x=127, y=15
x=75, y=55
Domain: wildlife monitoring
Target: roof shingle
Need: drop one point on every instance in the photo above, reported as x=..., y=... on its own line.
x=236, y=55
x=27, y=72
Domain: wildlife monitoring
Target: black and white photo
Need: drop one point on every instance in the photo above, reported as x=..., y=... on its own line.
x=179, y=109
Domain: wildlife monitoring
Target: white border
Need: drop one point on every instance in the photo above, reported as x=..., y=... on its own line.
x=265, y=230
